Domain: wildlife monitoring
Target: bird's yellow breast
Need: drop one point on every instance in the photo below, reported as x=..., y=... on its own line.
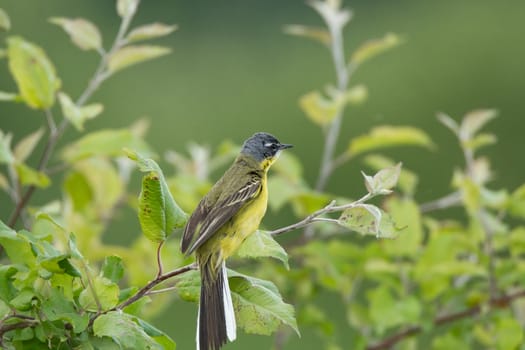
x=244, y=223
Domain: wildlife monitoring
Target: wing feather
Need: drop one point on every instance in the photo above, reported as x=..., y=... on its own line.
x=204, y=222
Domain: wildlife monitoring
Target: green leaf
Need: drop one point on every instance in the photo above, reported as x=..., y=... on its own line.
x=4, y=183
x=29, y=176
x=78, y=115
x=355, y=95
x=509, y=334
x=73, y=249
x=315, y=33
x=127, y=8
x=150, y=31
x=259, y=307
x=408, y=180
x=7, y=290
x=334, y=16
x=113, y=268
x=5, y=23
x=474, y=121
x=262, y=244
x=367, y=219
x=516, y=205
x=405, y=212
x=6, y=156
x=124, y=331
x=389, y=136
x=56, y=307
x=319, y=109
x=159, y=214
x=109, y=142
x=107, y=294
x=25, y=147
x=159, y=336
x=374, y=47
x=383, y=181
x=130, y=55
x=450, y=123
x=33, y=72
x=83, y=33
x=189, y=285
x=23, y=300
x=449, y=341
x=7, y=96
x=480, y=141
x=387, y=312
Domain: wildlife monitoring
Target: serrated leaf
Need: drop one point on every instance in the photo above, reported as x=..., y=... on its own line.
x=82, y=32
x=262, y=244
x=107, y=294
x=315, y=33
x=159, y=214
x=25, y=147
x=319, y=109
x=374, y=47
x=150, y=31
x=127, y=8
x=33, y=72
x=474, y=121
x=75, y=114
x=259, y=308
x=124, y=331
x=7, y=96
x=29, y=176
x=389, y=136
x=5, y=23
x=109, y=142
x=113, y=268
x=130, y=55
x=6, y=156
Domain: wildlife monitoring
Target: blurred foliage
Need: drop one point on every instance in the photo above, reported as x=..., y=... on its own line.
x=61, y=285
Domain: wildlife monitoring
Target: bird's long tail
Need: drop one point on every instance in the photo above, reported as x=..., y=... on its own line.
x=216, y=319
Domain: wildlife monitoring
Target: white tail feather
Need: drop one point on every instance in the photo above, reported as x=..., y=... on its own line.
x=229, y=313
x=197, y=340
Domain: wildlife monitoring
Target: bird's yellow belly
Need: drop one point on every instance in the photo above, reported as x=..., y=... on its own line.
x=243, y=224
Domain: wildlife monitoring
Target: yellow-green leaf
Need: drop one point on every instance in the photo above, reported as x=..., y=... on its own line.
x=150, y=31
x=374, y=47
x=367, y=219
x=407, y=179
x=315, y=33
x=83, y=33
x=356, y=95
x=389, y=136
x=5, y=23
x=319, y=109
x=8, y=96
x=106, y=291
x=33, y=72
x=384, y=180
x=130, y=55
x=78, y=115
x=29, y=176
x=25, y=147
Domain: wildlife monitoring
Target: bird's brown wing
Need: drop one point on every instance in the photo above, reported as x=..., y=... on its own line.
x=205, y=221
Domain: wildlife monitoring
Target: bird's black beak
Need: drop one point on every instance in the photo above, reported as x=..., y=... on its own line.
x=285, y=146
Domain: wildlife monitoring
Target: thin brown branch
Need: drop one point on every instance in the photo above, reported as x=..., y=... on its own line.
x=147, y=288
x=497, y=303
x=4, y=328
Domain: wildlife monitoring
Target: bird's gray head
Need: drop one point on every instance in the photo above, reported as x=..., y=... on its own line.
x=263, y=146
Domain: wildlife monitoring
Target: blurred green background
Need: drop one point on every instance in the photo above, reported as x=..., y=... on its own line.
x=233, y=72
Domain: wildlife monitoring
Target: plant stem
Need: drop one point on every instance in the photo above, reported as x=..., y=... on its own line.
x=99, y=76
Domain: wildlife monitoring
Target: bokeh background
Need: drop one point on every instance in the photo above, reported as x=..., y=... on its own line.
x=233, y=72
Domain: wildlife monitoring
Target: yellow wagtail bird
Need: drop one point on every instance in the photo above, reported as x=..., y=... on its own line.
x=224, y=218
